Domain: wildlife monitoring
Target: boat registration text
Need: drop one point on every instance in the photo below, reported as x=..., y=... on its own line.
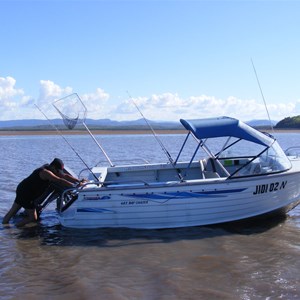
x=269, y=187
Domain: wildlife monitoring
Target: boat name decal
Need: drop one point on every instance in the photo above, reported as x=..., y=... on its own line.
x=269, y=187
x=134, y=202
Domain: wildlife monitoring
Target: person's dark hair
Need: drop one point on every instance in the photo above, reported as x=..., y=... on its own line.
x=57, y=164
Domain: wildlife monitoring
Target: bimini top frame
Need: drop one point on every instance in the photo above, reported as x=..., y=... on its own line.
x=202, y=129
x=225, y=126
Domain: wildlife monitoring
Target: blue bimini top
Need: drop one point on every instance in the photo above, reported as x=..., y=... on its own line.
x=225, y=127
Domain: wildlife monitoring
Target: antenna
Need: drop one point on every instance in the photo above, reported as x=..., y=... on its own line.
x=262, y=95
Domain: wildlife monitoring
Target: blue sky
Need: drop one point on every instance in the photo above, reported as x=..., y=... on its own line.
x=178, y=59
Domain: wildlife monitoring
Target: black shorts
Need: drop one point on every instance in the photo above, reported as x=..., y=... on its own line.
x=24, y=198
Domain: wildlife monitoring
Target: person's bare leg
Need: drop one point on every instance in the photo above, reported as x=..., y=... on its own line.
x=31, y=217
x=11, y=213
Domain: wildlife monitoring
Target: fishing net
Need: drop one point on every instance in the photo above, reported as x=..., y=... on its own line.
x=72, y=110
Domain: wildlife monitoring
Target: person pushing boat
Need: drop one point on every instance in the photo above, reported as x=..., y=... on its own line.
x=35, y=186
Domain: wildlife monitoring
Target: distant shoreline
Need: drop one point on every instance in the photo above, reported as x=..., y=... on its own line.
x=112, y=132
x=83, y=132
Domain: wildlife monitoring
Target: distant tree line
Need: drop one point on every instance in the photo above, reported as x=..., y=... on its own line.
x=289, y=122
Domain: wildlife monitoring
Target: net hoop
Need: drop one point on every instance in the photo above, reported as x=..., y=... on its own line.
x=72, y=110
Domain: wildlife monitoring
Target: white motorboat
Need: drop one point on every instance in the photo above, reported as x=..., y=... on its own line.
x=235, y=173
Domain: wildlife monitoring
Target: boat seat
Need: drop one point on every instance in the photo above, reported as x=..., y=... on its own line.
x=210, y=168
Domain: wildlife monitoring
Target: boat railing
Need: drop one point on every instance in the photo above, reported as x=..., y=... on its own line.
x=124, y=183
x=123, y=162
x=293, y=152
x=67, y=198
x=115, y=183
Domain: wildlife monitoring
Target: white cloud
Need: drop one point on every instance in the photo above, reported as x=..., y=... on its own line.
x=8, y=90
x=170, y=106
x=95, y=104
x=49, y=91
x=15, y=104
x=11, y=98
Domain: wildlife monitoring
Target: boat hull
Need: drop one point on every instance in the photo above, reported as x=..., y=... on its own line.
x=182, y=204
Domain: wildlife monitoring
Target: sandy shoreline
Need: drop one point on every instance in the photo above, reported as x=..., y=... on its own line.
x=111, y=132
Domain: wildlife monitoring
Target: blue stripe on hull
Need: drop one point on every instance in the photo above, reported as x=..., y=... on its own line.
x=184, y=195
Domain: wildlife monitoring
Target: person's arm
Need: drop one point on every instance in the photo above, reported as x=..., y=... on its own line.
x=48, y=175
x=70, y=178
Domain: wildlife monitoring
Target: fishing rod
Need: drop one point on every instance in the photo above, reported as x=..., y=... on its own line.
x=262, y=94
x=60, y=133
x=153, y=132
x=156, y=137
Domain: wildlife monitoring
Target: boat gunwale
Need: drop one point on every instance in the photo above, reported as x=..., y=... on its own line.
x=105, y=186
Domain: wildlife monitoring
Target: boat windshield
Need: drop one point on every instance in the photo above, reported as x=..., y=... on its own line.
x=259, y=160
x=235, y=157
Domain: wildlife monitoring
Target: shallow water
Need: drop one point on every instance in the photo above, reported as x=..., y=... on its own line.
x=248, y=261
